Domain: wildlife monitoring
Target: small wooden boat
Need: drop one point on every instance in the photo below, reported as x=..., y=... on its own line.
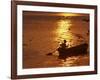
x=73, y=51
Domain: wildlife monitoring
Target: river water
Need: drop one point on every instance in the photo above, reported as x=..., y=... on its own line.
x=44, y=34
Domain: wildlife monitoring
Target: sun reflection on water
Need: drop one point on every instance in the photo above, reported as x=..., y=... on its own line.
x=63, y=31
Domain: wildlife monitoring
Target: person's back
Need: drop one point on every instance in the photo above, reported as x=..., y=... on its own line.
x=62, y=47
x=62, y=50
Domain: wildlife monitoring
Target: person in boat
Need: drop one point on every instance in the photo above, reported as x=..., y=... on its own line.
x=63, y=46
x=62, y=49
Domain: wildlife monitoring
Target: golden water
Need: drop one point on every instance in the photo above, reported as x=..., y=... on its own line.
x=42, y=36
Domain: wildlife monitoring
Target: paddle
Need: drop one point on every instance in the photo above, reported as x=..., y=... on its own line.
x=51, y=53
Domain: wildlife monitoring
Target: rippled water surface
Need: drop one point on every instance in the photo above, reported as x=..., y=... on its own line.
x=42, y=35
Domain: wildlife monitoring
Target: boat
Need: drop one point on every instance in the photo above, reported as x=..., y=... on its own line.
x=73, y=51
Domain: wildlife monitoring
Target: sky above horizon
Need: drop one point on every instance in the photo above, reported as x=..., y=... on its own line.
x=32, y=13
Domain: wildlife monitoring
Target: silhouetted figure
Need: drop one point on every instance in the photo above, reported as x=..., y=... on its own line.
x=63, y=45
x=62, y=49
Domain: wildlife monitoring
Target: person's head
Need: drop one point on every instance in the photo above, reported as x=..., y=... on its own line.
x=65, y=41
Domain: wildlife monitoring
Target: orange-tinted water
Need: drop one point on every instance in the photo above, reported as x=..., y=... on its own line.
x=43, y=35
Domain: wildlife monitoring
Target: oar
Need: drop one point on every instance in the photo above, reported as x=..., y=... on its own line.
x=51, y=53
